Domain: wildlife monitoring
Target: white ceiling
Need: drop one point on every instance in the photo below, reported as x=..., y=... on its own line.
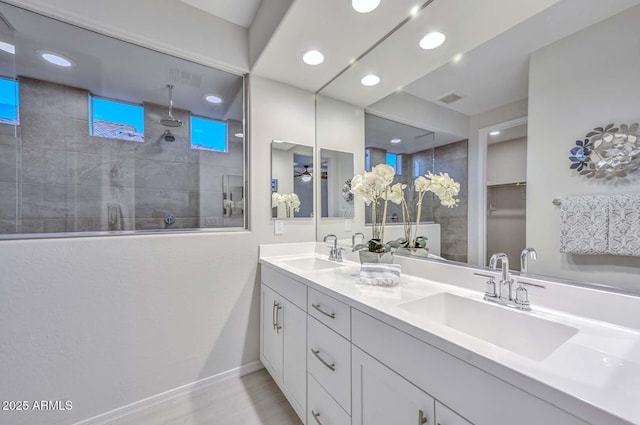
x=496, y=73
x=399, y=60
x=240, y=12
x=334, y=28
x=380, y=131
x=512, y=133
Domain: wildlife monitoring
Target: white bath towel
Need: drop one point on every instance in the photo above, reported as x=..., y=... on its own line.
x=584, y=225
x=379, y=274
x=624, y=224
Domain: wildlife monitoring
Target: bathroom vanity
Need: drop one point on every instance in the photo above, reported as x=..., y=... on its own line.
x=432, y=351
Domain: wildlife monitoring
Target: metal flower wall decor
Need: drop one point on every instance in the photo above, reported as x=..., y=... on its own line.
x=607, y=152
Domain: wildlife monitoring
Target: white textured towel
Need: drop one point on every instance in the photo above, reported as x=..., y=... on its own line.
x=584, y=225
x=624, y=224
x=379, y=274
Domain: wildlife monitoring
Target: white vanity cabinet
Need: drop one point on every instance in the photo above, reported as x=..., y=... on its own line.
x=338, y=365
x=381, y=396
x=283, y=344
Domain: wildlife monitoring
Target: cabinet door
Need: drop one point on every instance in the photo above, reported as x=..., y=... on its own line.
x=271, y=332
x=294, y=359
x=382, y=397
x=446, y=416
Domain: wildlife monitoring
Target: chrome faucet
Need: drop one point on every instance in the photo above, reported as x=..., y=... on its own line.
x=524, y=259
x=503, y=293
x=336, y=253
x=505, y=286
x=355, y=235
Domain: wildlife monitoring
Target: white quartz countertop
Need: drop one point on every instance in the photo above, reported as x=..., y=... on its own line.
x=595, y=375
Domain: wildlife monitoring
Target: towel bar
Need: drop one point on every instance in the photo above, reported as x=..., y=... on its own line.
x=556, y=201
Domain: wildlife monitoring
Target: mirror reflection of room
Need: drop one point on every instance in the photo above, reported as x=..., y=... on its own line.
x=292, y=180
x=507, y=192
x=414, y=152
x=336, y=199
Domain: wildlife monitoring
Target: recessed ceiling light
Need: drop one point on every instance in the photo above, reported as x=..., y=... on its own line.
x=370, y=80
x=56, y=59
x=313, y=57
x=211, y=98
x=432, y=40
x=457, y=58
x=239, y=135
x=395, y=141
x=364, y=6
x=494, y=133
x=7, y=47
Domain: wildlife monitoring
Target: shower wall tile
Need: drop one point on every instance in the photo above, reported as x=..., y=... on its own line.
x=156, y=203
x=93, y=201
x=8, y=200
x=48, y=166
x=8, y=163
x=167, y=175
x=7, y=226
x=48, y=201
x=43, y=131
x=76, y=103
x=103, y=170
x=9, y=134
x=37, y=96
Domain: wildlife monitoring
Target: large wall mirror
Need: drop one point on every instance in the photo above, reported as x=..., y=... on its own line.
x=292, y=180
x=336, y=199
x=100, y=135
x=500, y=109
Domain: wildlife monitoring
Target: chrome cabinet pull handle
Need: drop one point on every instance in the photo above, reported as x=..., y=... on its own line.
x=273, y=316
x=277, y=326
x=422, y=419
x=316, y=353
x=317, y=307
x=316, y=416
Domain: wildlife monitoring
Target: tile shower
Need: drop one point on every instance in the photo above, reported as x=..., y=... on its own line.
x=55, y=177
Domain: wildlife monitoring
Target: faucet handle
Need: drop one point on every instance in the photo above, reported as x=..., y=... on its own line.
x=490, y=286
x=339, y=255
x=522, y=295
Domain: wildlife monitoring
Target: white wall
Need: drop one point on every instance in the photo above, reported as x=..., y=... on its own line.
x=570, y=95
x=105, y=322
x=499, y=115
x=507, y=162
x=412, y=110
x=340, y=127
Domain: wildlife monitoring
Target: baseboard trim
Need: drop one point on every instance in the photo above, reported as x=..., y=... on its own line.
x=185, y=390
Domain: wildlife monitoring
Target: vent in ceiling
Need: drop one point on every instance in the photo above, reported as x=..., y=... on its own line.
x=180, y=77
x=451, y=97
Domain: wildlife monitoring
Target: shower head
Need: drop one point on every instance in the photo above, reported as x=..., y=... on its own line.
x=170, y=121
x=168, y=136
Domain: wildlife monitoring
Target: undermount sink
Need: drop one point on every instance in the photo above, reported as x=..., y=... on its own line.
x=312, y=264
x=512, y=330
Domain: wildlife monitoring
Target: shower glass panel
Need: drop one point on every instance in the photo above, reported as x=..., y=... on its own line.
x=89, y=148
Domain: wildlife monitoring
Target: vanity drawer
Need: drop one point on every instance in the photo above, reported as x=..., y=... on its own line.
x=331, y=312
x=322, y=408
x=289, y=288
x=329, y=361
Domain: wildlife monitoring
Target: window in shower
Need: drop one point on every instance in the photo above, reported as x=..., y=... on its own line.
x=114, y=119
x=208, y=134
x=9, y=102
x=395, y=161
